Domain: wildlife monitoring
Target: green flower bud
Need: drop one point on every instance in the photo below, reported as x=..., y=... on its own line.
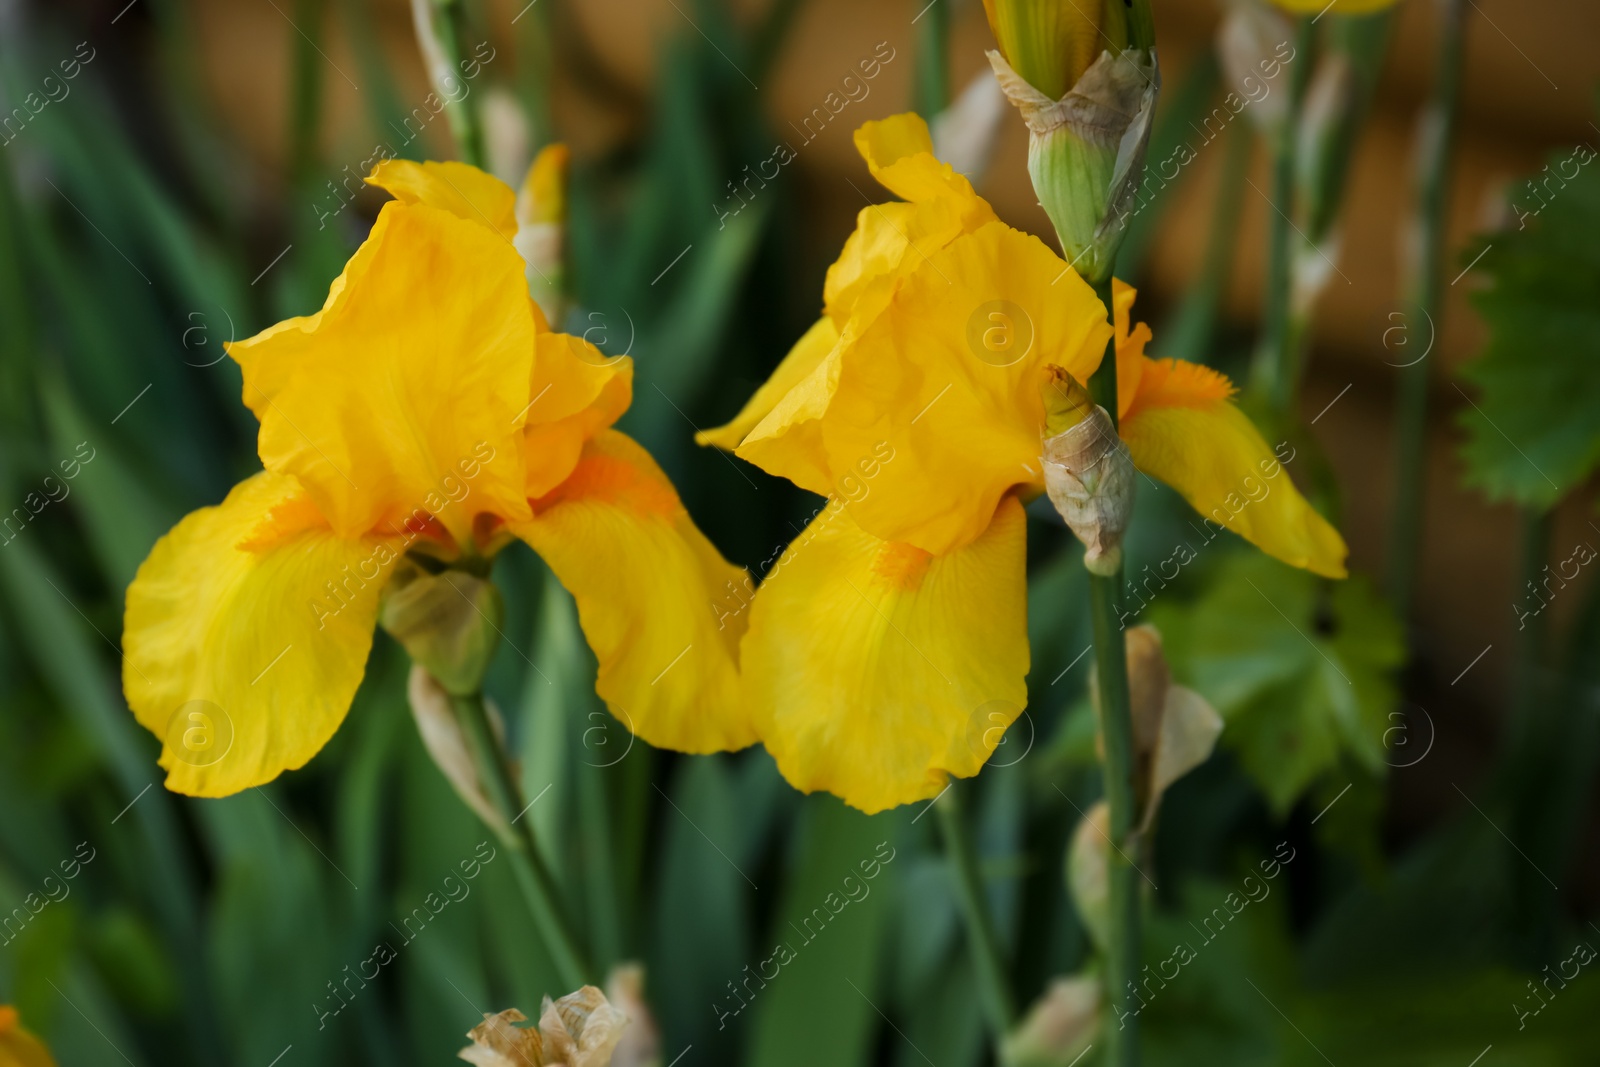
x=448, y=623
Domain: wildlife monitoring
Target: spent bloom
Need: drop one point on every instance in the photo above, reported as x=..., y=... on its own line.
x=889, y=644
x=410, y=429
x=579, y=1030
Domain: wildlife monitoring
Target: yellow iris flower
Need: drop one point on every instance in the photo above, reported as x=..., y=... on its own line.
x=18, y=1048
x=429, y=409
x=888, y=647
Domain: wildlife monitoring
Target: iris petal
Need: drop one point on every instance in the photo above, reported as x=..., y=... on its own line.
x=659, y=605
x=244, y=660
x=875, y=670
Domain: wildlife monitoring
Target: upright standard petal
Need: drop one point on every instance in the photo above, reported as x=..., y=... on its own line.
x=244, y=660
x=659, y=605
x=806, y=355
x=459, y=188
x=875, y=670
x=416, y=370
x=577, y=391
x=949, y=376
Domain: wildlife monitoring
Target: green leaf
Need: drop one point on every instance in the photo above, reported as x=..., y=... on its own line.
x=1301, y=669
x=820, y=1006
x=1534, y=432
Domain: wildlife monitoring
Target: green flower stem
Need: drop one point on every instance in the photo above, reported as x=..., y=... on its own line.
x=1424, y=291
x=1530, y=641
x=982, y=941
x=1116, y=724
x=449, y=19
x=933, y=63
x=533, y=877
x=1274, y=372
x=305, y=91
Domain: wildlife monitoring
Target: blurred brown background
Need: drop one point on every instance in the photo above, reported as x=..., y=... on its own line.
x=1529, y=91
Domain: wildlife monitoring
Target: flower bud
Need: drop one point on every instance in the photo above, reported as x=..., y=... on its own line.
x=1087, y=470
x=1059, y=1028
x=541, y=229
x=1088, y=873
x=441, y=735
x=1174, y=729
x=449, y=623
x=1084, y=76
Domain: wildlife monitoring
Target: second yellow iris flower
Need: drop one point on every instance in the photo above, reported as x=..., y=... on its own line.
x=889, y=643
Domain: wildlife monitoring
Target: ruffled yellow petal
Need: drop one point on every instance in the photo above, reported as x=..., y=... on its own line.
x=948, y=377
x=416, y=368
x=1215, y=457
x=19, y=1048
x=875, y=670
x=659, y=605
x=891, y=239
x=807, y=353
x=899, y=152
x=243, y=661
x=577, y=392
x=788, y=441
x=459, y=188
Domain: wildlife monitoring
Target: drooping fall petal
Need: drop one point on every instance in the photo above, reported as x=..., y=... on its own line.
x=418, y=365
x=1218, y=460
x=659, y=605
x=246, y=634
x=1182, y=428
x=875, y=670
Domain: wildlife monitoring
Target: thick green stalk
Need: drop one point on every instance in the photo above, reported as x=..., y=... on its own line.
x=533, y=877
x=1424, y=289
x=305, y=100
x=1274, y=373
x=933, y=60
x=449, y=20
x=1116, y=724
x=1530, y=640
x=994, y=987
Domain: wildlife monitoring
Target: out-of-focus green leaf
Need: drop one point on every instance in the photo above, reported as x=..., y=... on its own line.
x=1301, y=669
x=821, y=1005
x=1533, y=433
x=701, y=914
